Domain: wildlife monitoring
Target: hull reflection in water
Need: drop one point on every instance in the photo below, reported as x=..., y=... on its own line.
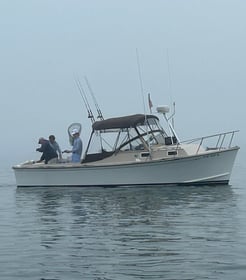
x=126, y=233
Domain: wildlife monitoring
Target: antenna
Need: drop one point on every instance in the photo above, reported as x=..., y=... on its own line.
x=169, y=76
x=140, y=80
x=170, y=88
x=83, y=95
x=100, y=116
x=142, y=92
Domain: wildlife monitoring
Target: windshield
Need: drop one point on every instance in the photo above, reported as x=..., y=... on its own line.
x=134, y=138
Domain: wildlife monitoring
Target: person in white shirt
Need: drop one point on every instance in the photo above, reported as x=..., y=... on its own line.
x=77, y=146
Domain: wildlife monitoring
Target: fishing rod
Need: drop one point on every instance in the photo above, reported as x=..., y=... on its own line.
x=83, y=95
x=100, y=116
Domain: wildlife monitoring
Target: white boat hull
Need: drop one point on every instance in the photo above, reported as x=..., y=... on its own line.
x=209, y=168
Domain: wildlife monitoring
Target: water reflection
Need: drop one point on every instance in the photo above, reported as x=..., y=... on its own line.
x=59, y=211
x=121, y=202
x=133, y=233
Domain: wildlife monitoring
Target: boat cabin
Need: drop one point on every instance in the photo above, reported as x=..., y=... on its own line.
x=137, y=132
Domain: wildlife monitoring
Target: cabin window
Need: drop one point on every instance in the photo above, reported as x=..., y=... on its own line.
x=172, y=153
x=145, y=154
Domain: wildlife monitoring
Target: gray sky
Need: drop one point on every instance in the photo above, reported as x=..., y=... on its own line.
x=44, y=43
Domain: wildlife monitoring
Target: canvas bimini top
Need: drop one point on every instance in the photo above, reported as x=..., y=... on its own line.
x=123, y=122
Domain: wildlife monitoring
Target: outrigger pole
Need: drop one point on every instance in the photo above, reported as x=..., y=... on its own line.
x=99, y=112
x=83, y=95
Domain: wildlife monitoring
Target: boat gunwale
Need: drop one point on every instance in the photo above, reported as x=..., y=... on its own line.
x=69, y=165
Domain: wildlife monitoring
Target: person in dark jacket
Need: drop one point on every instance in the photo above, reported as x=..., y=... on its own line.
x=55, y=145
x=47, y=151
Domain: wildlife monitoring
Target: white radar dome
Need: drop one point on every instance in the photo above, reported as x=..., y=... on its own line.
x=163, y=109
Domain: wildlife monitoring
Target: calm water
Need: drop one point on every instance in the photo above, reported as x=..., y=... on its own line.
x=123, y=233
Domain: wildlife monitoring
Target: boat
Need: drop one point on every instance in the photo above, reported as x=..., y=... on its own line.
x=137, y=150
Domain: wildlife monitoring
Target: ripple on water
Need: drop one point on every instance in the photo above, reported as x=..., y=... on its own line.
x=124, y=233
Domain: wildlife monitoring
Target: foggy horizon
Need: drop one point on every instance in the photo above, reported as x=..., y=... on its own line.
x=198, y=46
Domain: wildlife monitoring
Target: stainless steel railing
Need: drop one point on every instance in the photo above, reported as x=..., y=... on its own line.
x=221, y=140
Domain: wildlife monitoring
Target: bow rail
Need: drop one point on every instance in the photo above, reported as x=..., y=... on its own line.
x=218, y=141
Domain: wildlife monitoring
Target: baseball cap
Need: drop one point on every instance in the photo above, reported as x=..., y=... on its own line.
x=74, y=131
